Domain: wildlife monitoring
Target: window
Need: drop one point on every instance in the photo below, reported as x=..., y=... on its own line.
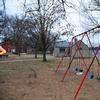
x=62, y=49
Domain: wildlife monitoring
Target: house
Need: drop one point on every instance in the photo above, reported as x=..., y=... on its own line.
x=60, y=47
x=83, y=48
x=95, y=48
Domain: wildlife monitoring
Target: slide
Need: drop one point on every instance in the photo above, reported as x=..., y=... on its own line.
x=2, y=51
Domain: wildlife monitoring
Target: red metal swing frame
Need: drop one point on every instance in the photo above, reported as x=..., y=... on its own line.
x=71, y=60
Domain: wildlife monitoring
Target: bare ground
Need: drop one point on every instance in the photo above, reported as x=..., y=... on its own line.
x=19, y=82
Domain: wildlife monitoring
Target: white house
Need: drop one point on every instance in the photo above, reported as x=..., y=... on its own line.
x=60, y=47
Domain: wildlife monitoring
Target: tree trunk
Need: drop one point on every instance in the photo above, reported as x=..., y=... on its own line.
x=35, y=53
x=18, y=50
x=19, y=54
x=36, y=50
x=44, y=55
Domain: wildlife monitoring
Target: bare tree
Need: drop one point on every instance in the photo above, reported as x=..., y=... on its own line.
x=87, y=9
x=33, y=34
x=18, y=33
x=90, y=12
x=45, y=13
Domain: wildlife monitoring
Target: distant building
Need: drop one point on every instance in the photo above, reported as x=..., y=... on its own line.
x=95, y=48
x=63, y=46
x=83, y=48
x=60, y=47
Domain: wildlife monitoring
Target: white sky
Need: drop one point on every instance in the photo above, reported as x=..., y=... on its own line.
x=14, y=7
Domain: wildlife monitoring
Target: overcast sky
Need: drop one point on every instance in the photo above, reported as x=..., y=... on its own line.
x=14, y=7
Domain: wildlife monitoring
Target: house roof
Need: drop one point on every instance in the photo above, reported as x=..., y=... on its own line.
x=68, y=44
x=78, y=42
x=62, y=44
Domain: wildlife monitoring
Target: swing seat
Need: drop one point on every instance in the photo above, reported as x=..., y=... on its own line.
x=76, y=69
x=79, y=73
x=90, y=76
x=81, y=70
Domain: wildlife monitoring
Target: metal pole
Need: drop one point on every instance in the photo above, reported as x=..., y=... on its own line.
x=60, y=62
x=71, y=61
x=93, y=49
x=81, y=83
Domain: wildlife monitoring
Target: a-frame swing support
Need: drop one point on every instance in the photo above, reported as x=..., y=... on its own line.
x=82, y=81
x=60, y=62
x=88, y=69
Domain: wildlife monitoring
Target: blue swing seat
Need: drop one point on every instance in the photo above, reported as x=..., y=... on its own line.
x=90, y=76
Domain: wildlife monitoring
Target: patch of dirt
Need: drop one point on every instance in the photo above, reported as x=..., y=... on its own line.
x=22, y=85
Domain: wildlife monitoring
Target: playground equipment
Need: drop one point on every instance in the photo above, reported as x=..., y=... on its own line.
x=91, y=54
x=2, y=51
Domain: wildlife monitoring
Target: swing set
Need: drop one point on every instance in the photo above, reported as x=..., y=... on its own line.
x=89, y=54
